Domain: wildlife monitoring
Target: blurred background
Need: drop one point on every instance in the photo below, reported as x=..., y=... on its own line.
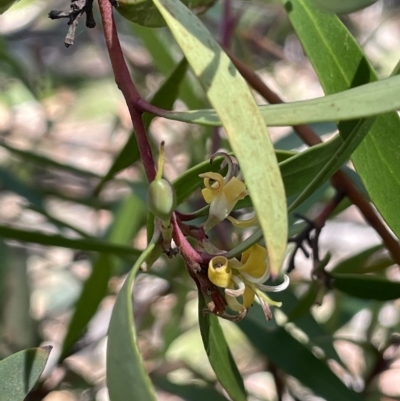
x=63, y=123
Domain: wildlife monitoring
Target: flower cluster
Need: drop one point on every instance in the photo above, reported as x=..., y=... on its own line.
x=243, y=280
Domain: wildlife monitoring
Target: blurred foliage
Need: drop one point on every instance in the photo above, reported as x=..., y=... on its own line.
x=74, y=220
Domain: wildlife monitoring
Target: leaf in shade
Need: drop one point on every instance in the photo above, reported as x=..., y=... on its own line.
x=127, y=378
x=20, y=372
x=189, y=392
x=219, y=355
x=85, y=244
x=367, y=287
x=295, y=359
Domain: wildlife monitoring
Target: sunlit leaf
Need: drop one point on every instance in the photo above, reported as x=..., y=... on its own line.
x=230, y=96
x=364, y=101
x=340, y=64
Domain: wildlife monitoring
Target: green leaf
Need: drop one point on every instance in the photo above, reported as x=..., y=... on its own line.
x=229, y=94
x=357, y=262
x=86, y=244
x=219, y=355
x=343, y=6
x=20, y=372
x=168, y=91
x=189, y=392
x=143, y=12
x=367, y=287
x=285, y=352
x=126, y=374
x=340, y=156
x=340, y=67
x=158, y=45
x=304, y=303
x=299, y=170
x=96, y=286
x=364, y=101
x=29, y=156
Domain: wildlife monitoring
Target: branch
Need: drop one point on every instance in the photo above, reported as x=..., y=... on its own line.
x=127, y=87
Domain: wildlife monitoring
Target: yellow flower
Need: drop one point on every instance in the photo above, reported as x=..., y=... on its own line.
x=222, y=195
x=243, y=280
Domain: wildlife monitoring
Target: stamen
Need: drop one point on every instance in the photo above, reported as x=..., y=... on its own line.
x=276, y=288
x=239, y=291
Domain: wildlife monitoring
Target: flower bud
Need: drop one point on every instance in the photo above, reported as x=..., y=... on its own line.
x=161, y=200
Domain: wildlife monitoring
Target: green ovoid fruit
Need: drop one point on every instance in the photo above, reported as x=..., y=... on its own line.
x=161, y=200
x=144, y=12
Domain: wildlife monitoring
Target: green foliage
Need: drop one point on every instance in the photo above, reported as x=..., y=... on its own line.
x=20, y=372
x=85, y=256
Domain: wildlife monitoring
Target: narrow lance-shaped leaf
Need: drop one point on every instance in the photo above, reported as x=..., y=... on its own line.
x=230, y=96
x=126, y=374
x=364, y=101
x=219, y=355
x=367, y=287
x=20, y=372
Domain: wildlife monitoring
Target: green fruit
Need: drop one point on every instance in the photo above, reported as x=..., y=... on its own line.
x=144, y=12
x=161, y=200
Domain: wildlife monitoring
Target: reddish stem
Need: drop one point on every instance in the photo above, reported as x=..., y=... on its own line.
x=128, y=89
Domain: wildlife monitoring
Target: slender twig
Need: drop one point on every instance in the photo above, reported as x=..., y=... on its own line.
x=127, y=87
x=339, y=180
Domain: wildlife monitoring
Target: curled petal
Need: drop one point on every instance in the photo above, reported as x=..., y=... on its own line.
x=243, y=223
x=234, y=304
x=219, y=272
x=218, y=183
x=276, y=288
x=208, y=195
x=235, y=190
x=247, y=299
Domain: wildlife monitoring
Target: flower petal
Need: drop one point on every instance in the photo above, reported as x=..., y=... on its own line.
x=254, y=263
x=219, y=272
x=235, y=190
x=240, y=288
